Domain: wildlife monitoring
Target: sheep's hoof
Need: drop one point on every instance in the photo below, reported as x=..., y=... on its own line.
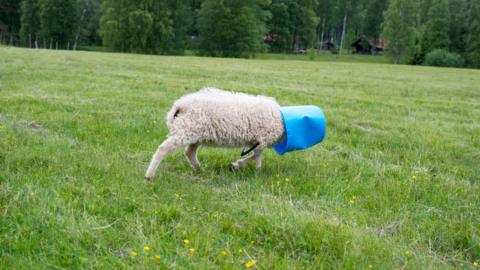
x=233, y=167
x=149, y=179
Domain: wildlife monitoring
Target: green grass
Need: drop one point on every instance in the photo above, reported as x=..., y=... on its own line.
x=326, y=57
x=77, y=130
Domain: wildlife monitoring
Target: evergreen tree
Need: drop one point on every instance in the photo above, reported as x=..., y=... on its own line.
x=10, y=17
x=436, y=33
x=59, y=21
x=399, y=30
x=30, y=21
x=473, y=38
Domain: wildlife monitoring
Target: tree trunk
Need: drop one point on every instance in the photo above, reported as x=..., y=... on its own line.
x=36, y=43
x=321, y=36
x=56, y=45
x=1, y=37
x=10, y=43
x=79, y=28
x=51, y=43
x=29, y=40
x=342, y=39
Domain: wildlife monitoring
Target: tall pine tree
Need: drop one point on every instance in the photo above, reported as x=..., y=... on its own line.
x=399, y=30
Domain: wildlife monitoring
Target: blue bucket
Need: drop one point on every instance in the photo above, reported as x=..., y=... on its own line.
x=305, y=126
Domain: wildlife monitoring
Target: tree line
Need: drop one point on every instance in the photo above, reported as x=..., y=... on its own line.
x=409, y=30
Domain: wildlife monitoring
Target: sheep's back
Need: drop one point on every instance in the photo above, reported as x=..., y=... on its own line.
x=217, y=117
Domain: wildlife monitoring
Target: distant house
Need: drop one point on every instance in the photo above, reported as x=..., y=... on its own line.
x=364, y=45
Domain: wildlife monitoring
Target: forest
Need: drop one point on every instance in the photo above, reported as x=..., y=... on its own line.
x=432, y=32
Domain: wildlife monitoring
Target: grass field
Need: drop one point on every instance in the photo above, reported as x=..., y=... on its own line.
x=395, y=185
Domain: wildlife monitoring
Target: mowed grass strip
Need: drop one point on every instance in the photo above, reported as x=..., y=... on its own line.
x=394, y=185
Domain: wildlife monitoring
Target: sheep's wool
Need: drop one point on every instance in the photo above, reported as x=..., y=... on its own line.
x=219, y=118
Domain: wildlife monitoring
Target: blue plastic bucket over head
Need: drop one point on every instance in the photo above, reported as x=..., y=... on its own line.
x=305, y=126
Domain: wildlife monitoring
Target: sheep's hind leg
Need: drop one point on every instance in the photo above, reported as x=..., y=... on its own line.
x=257, y=156
x=166, y=147
x=191, y=153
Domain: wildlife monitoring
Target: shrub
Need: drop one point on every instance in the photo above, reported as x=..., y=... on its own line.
x=443, y=58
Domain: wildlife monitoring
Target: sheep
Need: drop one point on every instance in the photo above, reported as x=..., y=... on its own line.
x=214, y=117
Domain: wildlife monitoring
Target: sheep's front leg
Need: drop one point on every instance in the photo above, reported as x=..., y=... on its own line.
x=166, y=147
x=191, y=153
x=257, y=155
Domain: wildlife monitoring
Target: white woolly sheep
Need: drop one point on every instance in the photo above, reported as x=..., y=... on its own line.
x=214, y=117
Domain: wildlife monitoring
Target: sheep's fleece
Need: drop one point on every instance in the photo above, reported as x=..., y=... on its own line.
x=219, y=118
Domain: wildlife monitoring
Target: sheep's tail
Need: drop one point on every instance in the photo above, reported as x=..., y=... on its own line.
x=172, y=114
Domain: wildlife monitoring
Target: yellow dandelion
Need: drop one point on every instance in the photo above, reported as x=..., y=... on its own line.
x=158, y=258
x=278, y=183
x=406, y=253
x=351, y=201
x=224, y=253
x=146, y=248
x=475, y=264
x=186, y=241
x=240, y=250
x=286, y=179
x=133, y=253
x=32, y=194
x=252, y=242
x=370, y=266
x=191, y=250
x=250, y=263
x=414, y=177
x=178, y=196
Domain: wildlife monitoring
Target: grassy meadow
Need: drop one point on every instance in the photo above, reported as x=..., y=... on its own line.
x=395, y=185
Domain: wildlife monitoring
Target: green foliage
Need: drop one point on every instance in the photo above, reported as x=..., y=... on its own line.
x=443, y=58
x=231, y=28
x=374, y=18
x=59, y=20
x=90, y=25
x=399, y=30
x=137, y=27
x=30, y=21
x=473, y=39
x=436, y=34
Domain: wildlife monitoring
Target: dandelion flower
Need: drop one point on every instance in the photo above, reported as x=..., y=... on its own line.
x=178, y=196
x=286, y=179
x=370, y=266
x=32, y=194
x=278, y=183
x=186, y=241
x=252, y=242
x=133, y=253
x=250, y=263
x=146, y=248
x=240, y=250
x=475, y=264
x=414, y=177
x=224, y=253
x=406, y=253
x=158, y=258
x=191, y=250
